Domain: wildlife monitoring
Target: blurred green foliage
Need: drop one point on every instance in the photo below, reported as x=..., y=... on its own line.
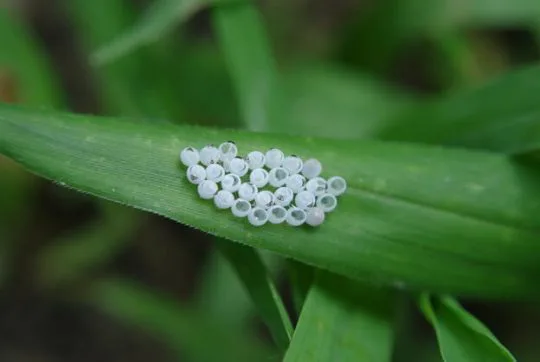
x=408, y=71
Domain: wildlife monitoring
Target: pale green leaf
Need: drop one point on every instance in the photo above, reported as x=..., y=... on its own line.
x=343, y=320
x=462, y=338
x=221, y=294
x=415, y=216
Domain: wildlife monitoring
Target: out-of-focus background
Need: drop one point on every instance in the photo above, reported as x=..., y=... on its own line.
x=161, y=283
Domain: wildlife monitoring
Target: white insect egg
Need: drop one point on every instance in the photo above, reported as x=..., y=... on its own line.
x=277, y=214
x=189, y=156
x=231, y=182
x=311, y=168
x=304, y=200
x=293, y=164
x=327, y=202
x=241, y=208
x=274, y=158
x=283, y=196
x=296, y=183
x=196, y=174
x=215, y=172
x=278, y=177
x=336, y=185
x=247, y=191
x=296, y=216
x=238, y=166
x=255, y=159
x=207, y=189
x=259, y=177
x=209, y=154
x=224, y=199
x=317, y=186
x=257, y=216
x=227, y=151
x=315, y=216
x=264, y=199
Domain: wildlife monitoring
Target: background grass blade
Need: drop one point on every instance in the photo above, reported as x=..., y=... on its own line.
x=222, y=295
x=502, y=116
x=462, y=338
x=343, y=320
x=97, y=23
x=251, y=66
x=184, y=329
x=251, y=270
x=306, y=97
x=25, y=74
x=375, y=37
x=160, y=18
x=419, y=216
x=252, y=70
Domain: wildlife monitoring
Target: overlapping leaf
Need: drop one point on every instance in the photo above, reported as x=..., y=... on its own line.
x=462, y=338
x=343, y=320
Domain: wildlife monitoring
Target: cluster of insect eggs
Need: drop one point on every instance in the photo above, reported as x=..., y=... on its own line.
x=300, y=196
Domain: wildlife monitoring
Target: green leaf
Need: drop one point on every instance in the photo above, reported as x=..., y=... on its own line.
x=97, y=22
x=445, y=220
x=251, y=270
x=188, y=331
x=328, y=101
x=502, y=116
x=24, y=65
x=462, y=338
x=221, y=294
x=376, y=36
x=243, y=41
x=343, y=320
x=160, y=18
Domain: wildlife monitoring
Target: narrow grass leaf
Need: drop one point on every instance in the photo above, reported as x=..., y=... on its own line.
x=97, y=22
x=251, y=66
x=222, y=295
x=160, y=18
x=252, y=272
x=375, y=37
x=343, y=320
x=502, y=116
x=462, y=338
x=186, y=330
x=417, y=216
